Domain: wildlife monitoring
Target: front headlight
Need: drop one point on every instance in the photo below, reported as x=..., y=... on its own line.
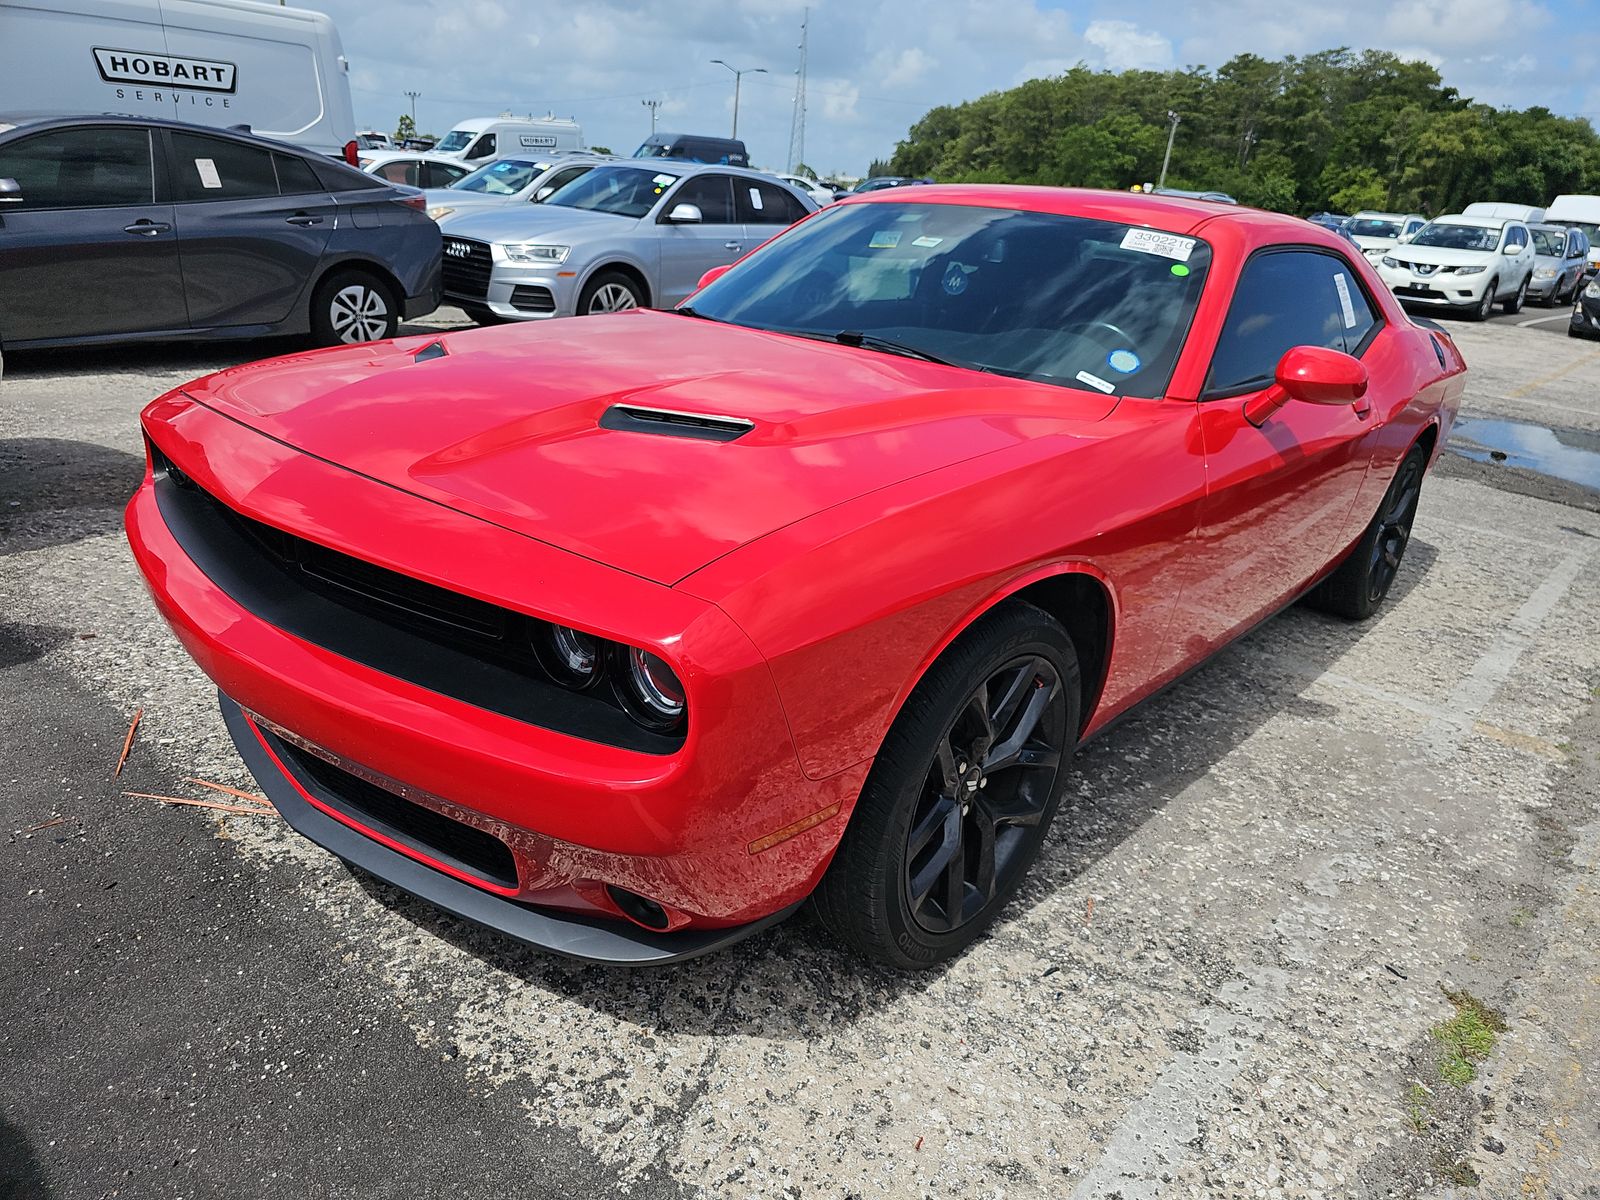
x=651, y=692
x=529, y=252
x=439, y=211
x=1592, y=292
x=1466, y=270
x=1544, y=272
x=1390, y=262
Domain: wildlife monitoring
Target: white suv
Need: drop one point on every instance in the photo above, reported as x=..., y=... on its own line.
x=1463, y=262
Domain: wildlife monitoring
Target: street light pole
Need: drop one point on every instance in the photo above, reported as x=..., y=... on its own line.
x=413, y=96
x=738, y=77
x=1171, y=133
x=652, y=105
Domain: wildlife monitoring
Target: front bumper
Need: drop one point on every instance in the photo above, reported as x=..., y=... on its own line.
x=687, y=829
x=1435, y=291
x=308, y=808
x=1585, y=318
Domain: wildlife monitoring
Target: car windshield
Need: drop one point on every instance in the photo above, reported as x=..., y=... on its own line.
x=1590, y=229
x=1062, y=300
x=456, y=139
x=503, y=178
x=1374, y=227
x=1550, y=241
x=653, y=150
x=1450, y=236
x=626, y=191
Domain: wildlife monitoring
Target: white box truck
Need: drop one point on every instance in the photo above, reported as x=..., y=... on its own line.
x=484, y=139
x=281, y=71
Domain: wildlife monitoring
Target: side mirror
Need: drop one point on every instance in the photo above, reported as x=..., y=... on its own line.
x=712, y=276
x=543, y=194
x=1312, y=375
x=1402, y=239
x=10, y=191
x=1512, y=250
x=684, y=214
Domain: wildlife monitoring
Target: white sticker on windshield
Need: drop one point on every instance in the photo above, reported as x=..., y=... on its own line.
x=926, y=242
x=1343, y=289
x=885, y=239
x=1096, y=382
x=208, y=173
x=1168, y=245
x=663, y=180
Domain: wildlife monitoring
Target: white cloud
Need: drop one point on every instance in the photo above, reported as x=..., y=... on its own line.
x=1123, y=46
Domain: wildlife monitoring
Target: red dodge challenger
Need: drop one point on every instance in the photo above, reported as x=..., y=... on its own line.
x=625, y=636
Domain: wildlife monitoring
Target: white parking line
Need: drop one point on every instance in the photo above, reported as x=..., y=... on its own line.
x=1446, y=731
x=1560, y=316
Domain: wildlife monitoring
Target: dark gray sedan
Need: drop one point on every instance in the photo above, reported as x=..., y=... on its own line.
x=116, y=228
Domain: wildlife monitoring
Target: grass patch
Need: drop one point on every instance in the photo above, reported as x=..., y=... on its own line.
x=1467, y=1039
x=1417, y=1107
x=1520, y=918
x=1459, y=1173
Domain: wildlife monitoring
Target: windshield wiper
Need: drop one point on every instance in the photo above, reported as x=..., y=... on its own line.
x=687, y=311
x=871, y=341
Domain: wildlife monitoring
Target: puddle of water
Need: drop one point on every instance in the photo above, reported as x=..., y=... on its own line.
x=1533, y=447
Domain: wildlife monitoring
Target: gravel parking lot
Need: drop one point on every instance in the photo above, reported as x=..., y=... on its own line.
x=1323, y=920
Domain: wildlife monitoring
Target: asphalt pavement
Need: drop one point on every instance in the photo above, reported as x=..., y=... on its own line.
x=1323, y=920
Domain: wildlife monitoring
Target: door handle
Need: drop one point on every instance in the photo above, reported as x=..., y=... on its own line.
x=730, y=245
x=147, y=228
x=303, y=219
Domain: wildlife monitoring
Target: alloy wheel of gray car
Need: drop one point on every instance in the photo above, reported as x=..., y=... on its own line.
x=351, y=308
x=608, y=293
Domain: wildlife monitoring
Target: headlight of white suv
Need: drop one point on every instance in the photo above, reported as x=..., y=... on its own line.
x=1465, y=270
x=1544, y=272
x=1390, y=262
x=529, y=252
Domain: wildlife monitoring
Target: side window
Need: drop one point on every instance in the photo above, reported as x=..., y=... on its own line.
x=393, y=172
x=712, y=194
x=206, y=168
x=294, y=176
x=1517, y=237
x=1285, y=299
x=81, y=168
x=485, y=146
x=766, y=204
x=442, y=175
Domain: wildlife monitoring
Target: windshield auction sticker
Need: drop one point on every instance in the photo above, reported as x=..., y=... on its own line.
x=1168, y=245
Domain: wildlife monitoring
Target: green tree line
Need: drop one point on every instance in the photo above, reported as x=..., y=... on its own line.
x=1333, y=130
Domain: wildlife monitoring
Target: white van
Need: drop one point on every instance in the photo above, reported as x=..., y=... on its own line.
x=281, y=71
x=484, y=139
x=1582, y=212
x=1526, y=213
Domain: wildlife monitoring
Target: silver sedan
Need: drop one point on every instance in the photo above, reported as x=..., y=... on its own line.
x=619, y=236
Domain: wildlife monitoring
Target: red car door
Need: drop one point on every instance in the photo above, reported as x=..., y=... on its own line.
x=1279, y=497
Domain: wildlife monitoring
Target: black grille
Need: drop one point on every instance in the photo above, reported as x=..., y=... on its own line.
x=438, y=639
x=526, y=298
x=467, y=267
x=439, y=837
x=1411, y=289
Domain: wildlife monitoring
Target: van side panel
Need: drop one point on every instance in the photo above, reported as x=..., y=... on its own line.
x=280, y=71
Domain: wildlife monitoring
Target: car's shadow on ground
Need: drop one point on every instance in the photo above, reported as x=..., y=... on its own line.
x=1117, y=783
x=55, y=490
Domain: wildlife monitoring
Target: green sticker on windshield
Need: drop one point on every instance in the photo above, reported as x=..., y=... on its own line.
x=1179, y=270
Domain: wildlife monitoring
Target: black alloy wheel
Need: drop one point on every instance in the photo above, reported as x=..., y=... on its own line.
x=1361, y=583
x=1514, y=305
x=961, y=794
x=1394, y=528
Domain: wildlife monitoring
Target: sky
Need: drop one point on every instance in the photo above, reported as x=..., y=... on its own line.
x=876, y=67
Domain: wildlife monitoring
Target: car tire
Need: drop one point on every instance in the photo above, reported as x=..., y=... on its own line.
x=1358, y=587
x=353, y=307
x=1514, y=305
x=1486, y=305
x=927, y=813
x=609, y=291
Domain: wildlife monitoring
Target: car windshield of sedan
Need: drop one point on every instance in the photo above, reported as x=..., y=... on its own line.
x=1374, y=228
x=456, y=139
x=505, y=177
x=1550, y=241
x=626, y=191
x=1449, y=236
x=1063, y=300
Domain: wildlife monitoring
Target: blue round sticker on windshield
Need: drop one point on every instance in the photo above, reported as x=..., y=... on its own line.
x=955, y=280
x=1125, y=361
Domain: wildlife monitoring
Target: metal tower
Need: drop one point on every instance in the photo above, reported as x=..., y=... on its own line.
x=797, y=126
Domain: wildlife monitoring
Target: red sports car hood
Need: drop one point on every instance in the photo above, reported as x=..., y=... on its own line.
x=507, y=426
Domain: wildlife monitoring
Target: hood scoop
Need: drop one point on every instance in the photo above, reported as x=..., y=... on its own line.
x=429, y=352
x=666, y=422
